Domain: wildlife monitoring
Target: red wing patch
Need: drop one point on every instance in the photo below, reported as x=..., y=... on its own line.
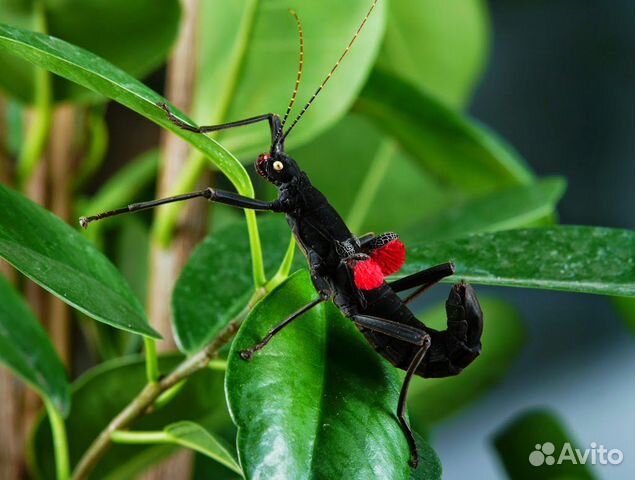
x=390, y=257
x=368, y=275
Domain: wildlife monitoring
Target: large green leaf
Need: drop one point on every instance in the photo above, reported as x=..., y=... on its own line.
x=135, y=35
x=317, y=402
x=432, y=400
x=248, y=62
x=103, y=392
x=440, y=46
x=514, y=207
x=216, y=283
x=576, y=259
x=530, y=446
x=370, y=182
x=97, y=74
x=27, y=351
x=457, y=150
x=62, y=261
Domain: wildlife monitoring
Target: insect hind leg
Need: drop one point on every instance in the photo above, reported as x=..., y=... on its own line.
x=456, y=347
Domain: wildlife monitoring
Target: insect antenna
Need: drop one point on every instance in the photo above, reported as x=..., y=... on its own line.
x=300, y=68
x=335, y=67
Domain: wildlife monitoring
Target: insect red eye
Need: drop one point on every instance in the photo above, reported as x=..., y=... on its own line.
x=263, y=158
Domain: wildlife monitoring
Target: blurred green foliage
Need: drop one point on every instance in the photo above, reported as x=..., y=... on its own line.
x=389, y=144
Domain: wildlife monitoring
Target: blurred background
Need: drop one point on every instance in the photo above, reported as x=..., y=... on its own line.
x=559, y=87
x=554, y=79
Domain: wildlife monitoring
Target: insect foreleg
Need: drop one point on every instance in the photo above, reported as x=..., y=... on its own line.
x=247, y=354
x=213, y=195
x=274, y=123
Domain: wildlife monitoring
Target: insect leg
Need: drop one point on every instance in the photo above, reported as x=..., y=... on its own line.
x=211, y=194
x=424, y=280
x=403, y=395
x=365, y=239
x=411, y=335
x=274, y=123
x=248, y=353
x=400, y=331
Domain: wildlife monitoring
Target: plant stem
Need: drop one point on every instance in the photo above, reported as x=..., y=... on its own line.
x=218, y=364
x=97, y=147
x=285, y=267
x=40, y=128
x=133, y=438
x=167, y=396
x=152, y=361
x=60, y=442
x=149, y=394
x=369, y=186
x=258, y=266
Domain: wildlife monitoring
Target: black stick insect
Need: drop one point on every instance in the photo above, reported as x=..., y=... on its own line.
x=349, y=270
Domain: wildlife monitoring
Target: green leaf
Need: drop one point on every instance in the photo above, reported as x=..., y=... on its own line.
x=439, y=46
x=514, y=207
x=516, y=443
x=97, y=74
x=134, y=35
x=205, y=469
x=192, y=435
x=626, y=309
x=458, y=151
x=432, y=400
x=371, y=182
x=216, y=283
x=429, y=465
x=576, y=259
x=248, y=63
x=62, y=261
x=101, y=393
x=317, y=401
x=27, y=351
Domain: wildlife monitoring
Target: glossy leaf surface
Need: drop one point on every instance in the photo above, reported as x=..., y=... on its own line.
x=317, y=402
x=576, y=259
x=62, y=261
x=194, y=436
x=27, y=351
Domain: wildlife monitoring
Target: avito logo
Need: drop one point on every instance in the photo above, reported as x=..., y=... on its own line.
x=545, y=454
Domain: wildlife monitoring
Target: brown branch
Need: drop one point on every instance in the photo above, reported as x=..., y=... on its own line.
x=60, y=157
x=166, y=263
x=140, y=404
